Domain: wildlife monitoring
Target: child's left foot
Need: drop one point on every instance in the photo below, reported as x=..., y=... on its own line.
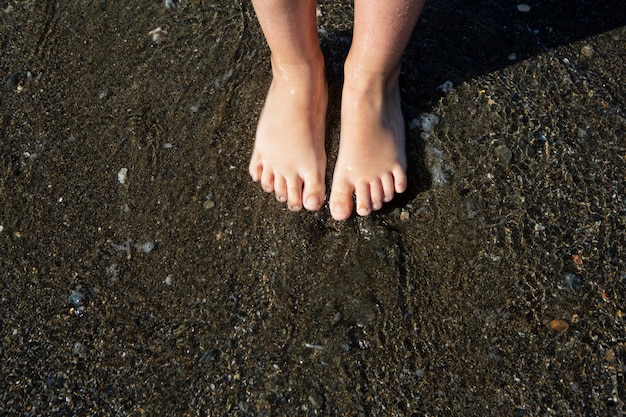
x=372, y=158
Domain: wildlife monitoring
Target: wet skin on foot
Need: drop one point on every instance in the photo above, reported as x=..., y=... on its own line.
x=289, y=158
x=371, y=163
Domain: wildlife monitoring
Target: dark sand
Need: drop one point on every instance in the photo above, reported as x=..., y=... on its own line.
x=441, y=304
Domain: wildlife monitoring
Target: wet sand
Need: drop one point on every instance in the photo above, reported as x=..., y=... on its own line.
x=143, y=273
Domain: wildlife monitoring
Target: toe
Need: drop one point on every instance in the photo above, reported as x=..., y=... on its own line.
x=340, y=202
x=294, y=194
x=363, y=200
x=313, y=194
x=376, y=194
x=388, y=187
x=399, y=180
x=280, y=188
x=267, y=180
x=255, y=169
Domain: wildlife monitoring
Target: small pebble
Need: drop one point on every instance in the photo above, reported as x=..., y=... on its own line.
x=524, y=8
x=158, y=35
x=428, y=121
x=609, y=355
x=587, y=51
x=512, y=56
x=504, y=154
x=571, y=281
x=446, y=87
x=121, y=175
x=336, y=318
x=559, y=325
x=77, y=296
x=14, y=81
x=145, y=247
x=209, y=204
x=316, y=399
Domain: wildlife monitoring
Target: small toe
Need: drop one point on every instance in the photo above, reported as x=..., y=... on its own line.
x=255, y=169
x=280, y=189
x=267, y=180
x=399, y=180
x=294, y=194
x=388, y=187
x=376, y=195
x=363, y=199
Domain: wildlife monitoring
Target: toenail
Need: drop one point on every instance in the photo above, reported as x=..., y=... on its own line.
x=313, y=202
x=295, y=208
x=281, y=198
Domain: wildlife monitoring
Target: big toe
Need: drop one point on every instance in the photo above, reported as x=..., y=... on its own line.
x=341, y=203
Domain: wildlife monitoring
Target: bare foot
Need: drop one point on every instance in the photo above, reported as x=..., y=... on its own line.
x=372, y=158
x=289, y=157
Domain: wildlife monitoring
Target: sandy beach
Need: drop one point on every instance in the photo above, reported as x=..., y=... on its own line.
x=143, y=273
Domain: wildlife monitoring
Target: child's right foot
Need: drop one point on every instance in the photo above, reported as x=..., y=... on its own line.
x=289, y=157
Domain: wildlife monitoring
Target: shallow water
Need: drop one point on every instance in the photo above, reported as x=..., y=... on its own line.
x=440, y=304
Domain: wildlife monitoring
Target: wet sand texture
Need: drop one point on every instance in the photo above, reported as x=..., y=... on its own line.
x=143, y=273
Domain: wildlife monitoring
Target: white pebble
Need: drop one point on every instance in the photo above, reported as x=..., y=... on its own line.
x=446, y=87
x=145, y=247
x=524, y=8
x=121, y=175
x=428, y=121
x=168, y=280
x=435, y=159
x=1, y=228
x=158, y=35
x=169, y=4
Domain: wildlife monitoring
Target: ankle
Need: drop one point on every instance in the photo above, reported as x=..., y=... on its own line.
x=366, y=80
x=306, y=67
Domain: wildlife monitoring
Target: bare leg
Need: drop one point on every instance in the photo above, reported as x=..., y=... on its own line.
x=372, y=158
x=289, y=157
